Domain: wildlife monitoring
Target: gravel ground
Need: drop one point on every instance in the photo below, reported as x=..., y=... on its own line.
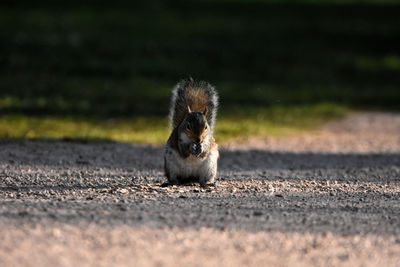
x=102, y=204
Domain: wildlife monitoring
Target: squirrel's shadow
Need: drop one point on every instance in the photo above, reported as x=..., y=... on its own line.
x=189, y=183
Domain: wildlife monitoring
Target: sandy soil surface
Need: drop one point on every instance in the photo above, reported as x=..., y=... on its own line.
x=358, y=133
x=285, y=202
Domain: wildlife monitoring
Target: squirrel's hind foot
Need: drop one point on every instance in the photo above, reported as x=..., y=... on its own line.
x=206, y=185
x=166, y=184
x=190, y=183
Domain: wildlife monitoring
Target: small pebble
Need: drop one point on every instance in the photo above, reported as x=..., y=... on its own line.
x=271, y=188
x=122, y=190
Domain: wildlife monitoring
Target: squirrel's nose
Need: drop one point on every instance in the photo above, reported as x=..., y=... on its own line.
x=197, y=140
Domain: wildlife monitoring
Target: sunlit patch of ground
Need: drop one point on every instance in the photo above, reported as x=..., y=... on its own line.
x=68, y=245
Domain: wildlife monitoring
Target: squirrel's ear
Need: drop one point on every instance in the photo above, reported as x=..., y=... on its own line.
x=189, y=109
x=205, y=111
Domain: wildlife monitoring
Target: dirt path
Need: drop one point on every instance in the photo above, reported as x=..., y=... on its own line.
x=358, y=133
x=101, y=204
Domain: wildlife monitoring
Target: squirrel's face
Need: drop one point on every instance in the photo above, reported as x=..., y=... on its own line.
x=196, y=129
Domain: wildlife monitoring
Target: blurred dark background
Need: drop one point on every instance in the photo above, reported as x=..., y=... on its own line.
x=121, y=58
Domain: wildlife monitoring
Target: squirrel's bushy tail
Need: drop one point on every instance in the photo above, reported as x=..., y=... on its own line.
x=197, y=95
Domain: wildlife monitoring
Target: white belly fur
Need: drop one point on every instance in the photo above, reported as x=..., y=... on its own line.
x=205, y=169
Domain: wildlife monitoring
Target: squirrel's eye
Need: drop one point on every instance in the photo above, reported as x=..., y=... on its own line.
x=188, y=126
x=205, y=127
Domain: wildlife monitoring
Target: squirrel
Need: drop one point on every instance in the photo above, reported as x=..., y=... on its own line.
x=191, y=153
